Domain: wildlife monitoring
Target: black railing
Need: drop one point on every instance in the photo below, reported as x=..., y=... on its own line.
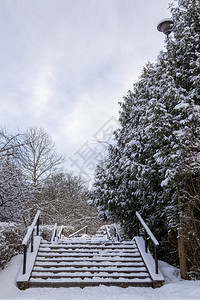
x=29, y=238
x=147, y=232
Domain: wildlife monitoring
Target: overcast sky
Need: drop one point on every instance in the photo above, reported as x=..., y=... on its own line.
x=65, y=64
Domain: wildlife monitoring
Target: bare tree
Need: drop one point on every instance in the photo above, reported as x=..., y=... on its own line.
x=10, y=144
x=14, y=190
x=66, y=197
x=63, y=194
x=39, y=157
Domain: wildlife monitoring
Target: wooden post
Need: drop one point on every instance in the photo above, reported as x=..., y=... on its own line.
x=156, y=259
x=181, y=243
x=182, y=256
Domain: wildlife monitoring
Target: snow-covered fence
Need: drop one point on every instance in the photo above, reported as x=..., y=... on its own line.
x=148, y=232
x=29, y=237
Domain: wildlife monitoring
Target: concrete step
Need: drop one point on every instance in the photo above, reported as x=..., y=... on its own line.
x=83, y=241
x=109, y=259
x=88, y=251
x=88, y=246
x=87, y=256
x=90, y=275
x=89, y=269
x=45, y=264
x=79, y=282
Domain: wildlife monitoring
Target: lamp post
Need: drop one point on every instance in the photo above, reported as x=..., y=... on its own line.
x=165, y=26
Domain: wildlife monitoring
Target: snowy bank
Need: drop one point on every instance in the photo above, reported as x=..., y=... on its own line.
x=174, y=288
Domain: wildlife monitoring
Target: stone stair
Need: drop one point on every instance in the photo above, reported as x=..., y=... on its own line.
x=85, y=262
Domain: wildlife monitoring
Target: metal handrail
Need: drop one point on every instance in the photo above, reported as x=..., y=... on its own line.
x=73, y=234
x=54, y=233
x=60, y=232
x=108, y=233
x=117, y=233
x=148, y=232
x=28, y=236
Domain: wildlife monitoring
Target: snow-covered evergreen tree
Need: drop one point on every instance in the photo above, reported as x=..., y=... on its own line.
x=156, y=151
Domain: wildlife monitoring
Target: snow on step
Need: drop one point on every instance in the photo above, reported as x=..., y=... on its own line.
x=82, y=241
x=88, y=264
x=88, y=274
x=90, y=269
x=121, y=282
x=77, y=279
x=88, y=246
x=84, y=254
x=84, y=258
x=81, y=250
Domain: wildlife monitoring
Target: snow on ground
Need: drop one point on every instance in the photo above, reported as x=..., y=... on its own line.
x=174, y=288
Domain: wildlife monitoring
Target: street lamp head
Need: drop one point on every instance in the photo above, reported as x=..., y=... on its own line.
x=165, y=26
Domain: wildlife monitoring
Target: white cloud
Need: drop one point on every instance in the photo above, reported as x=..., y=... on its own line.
x=66, y=64
x=41, y=91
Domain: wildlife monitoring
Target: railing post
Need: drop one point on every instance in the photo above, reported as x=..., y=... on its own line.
x=117, y=237
x=107, y=233
x=29, y=238
x=138, y=228
x=38, y=223
x=115, y=232
x=24, y=259
x=156, y=259
x=145, y=239
x=148, y=232
x=86, y=230
x=32, y=241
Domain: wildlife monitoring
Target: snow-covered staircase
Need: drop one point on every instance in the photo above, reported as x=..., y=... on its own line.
x=86, y=262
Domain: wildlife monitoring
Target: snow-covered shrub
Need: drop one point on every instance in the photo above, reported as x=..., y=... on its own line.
x=46, y=232
x=10, y=241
